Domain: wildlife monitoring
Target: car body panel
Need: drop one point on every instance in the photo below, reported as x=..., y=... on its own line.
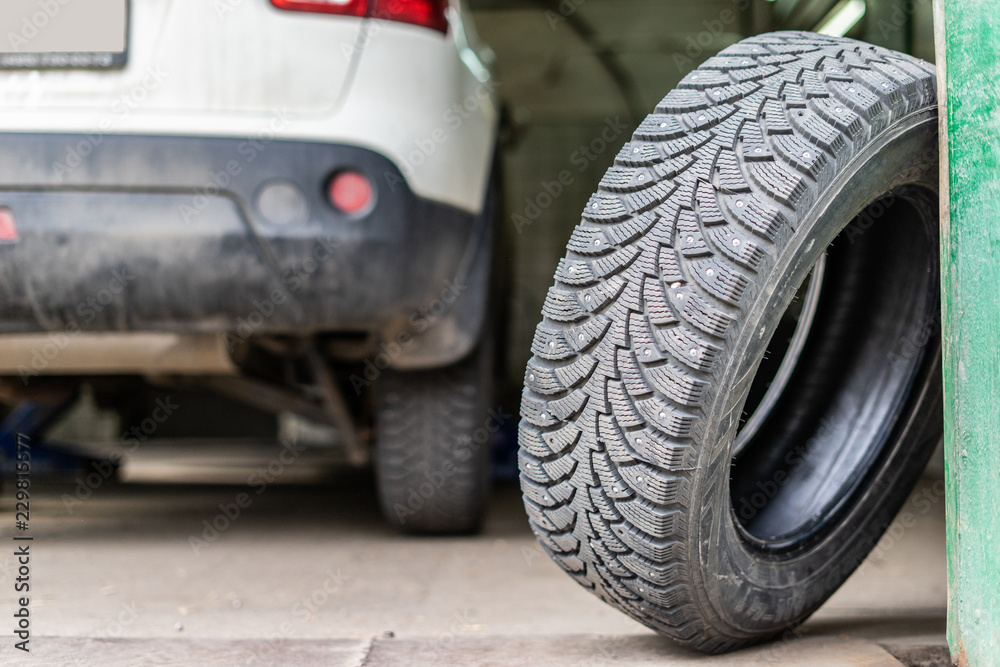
x=422, y=99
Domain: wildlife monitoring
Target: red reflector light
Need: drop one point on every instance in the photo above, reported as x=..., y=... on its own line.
x=8, y=228
x=351, y=193
x=426, y=13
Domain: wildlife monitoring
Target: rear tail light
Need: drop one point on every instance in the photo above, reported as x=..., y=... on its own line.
x=426, y=13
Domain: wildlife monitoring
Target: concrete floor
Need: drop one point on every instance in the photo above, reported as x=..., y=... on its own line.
x=308, y=574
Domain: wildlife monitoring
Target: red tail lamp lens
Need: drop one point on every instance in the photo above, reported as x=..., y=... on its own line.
x=345, y=7
x=426, y=13
x=351, y=193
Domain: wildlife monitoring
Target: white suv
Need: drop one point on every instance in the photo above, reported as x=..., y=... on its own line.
x=287, y=201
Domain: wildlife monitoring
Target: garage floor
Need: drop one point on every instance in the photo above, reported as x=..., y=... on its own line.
x=307, y=574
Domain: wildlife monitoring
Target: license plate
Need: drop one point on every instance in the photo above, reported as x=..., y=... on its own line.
x=36, y=34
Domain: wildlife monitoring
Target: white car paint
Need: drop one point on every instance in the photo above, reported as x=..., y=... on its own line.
x=243, y=68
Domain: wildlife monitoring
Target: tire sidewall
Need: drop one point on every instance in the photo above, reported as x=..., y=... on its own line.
x=751, y=594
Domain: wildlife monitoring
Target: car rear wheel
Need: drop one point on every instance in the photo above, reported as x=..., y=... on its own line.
x=735, y=382
x=432, y=453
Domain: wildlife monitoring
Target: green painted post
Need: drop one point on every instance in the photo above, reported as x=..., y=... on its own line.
x=968, y=55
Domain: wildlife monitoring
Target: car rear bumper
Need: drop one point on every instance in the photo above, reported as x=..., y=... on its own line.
x=120, y=233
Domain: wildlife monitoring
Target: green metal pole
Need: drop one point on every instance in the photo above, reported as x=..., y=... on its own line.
x=968, y=53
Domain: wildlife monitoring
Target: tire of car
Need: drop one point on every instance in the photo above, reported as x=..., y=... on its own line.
x=735, y=383
x=432, y=452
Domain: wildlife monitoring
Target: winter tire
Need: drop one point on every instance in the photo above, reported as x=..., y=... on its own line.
x=735, y=383
x=432, y=455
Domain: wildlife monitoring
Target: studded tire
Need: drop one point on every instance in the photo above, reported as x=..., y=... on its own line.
x=788, y=158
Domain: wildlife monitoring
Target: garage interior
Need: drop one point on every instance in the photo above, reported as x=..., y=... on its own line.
x=250, y=556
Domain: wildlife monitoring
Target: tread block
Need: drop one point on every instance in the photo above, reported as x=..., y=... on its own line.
x=652, y=548
x=730, y=176
x=690, y=240
x=563, y=305
x=658, y=311
x=603, y=505
x=609, y=559
x=659, y=127
x=639, y=154
x=707, y=206
x=575, y=272
x=529, y=438
x=631, y=229
x=686, y=144
x=707, y=118
x=613, y=439
x=536, y=410
x=587, y=240
x=653, y=484
x=802, y=155
x=649, y=446
x=677, y=383
x=670, y=266
x=703, y=79
x=687, y=347
x=632, y=379
x=604, y=207
x=547, y=496
x=737, y=246
x=777, y=181
x=649, y=518
x=550, y=343
x=567, y=406
x=611, y=484
x=680, y=100
x=756, y=215
x=577, y=338
x=561, y=439
x=643, y=200
x=542, y=380
x=666, y=418
x=721, y=280
x=576, y=371
x=655, y=573
x=595, y=298
x=628, y=179
x=621, y=405
x=774, y=119
x=602, y=531
x=816, y=130
x=703, y=315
